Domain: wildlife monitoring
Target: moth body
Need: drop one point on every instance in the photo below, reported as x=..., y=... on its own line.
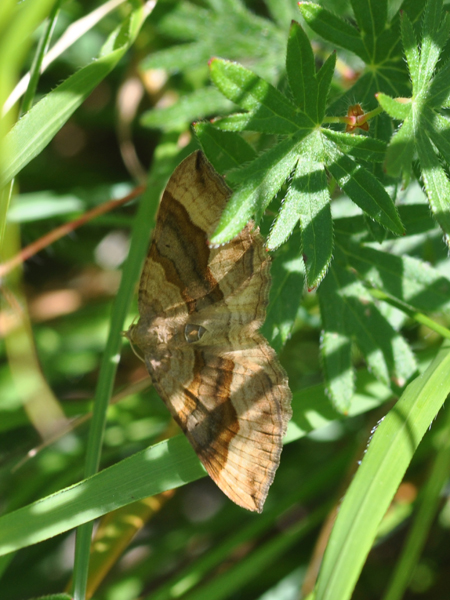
x=200, y=312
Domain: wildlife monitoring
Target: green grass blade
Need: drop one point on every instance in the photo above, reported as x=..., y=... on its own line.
x=196, y=572
x=168, y=155
x=428, y=506
x=225, y=584
x=163, y=466
x=383, y=467
x=38, y=127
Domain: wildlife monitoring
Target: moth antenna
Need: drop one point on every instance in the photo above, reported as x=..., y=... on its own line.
x=135, y=351
x=127, y=335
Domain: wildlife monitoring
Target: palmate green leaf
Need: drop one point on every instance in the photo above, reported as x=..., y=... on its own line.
x=439, y=131
x=383, y=467
x=363, y=188
x=206, y=32
x=435, y=31
x=371, y=16
x=271, y=111
x=400, y=152
x=377, y=44
x=37, y=128
x=240, y=122
x=336, y=352
x=324, y=77
x=310, y=89
x=350, y=313
x=416, y=218
x=439, y=91
x=423, y=128
x=259, y=182
x=307, y=201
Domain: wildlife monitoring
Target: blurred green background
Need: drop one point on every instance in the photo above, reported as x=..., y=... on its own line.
x=194, y=543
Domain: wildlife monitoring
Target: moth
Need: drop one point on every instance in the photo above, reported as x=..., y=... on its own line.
x=200, y=311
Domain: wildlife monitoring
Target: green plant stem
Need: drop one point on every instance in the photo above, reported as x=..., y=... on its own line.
x=355, y=120
x=130, y=274
x=6, y=193
x=416, y=315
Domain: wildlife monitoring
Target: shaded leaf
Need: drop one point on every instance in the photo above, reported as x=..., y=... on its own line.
x=307, y=200
x=224, y=150
x=350, y=313
x=359, y=146
x=333, y=29
x=288, y=280
x=363, y=188
x=273, y=112
x=199, y=104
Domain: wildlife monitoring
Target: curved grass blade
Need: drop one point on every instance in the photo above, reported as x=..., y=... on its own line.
x=383, y=467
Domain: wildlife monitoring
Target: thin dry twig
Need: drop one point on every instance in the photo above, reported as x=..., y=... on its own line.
x=63, y=230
